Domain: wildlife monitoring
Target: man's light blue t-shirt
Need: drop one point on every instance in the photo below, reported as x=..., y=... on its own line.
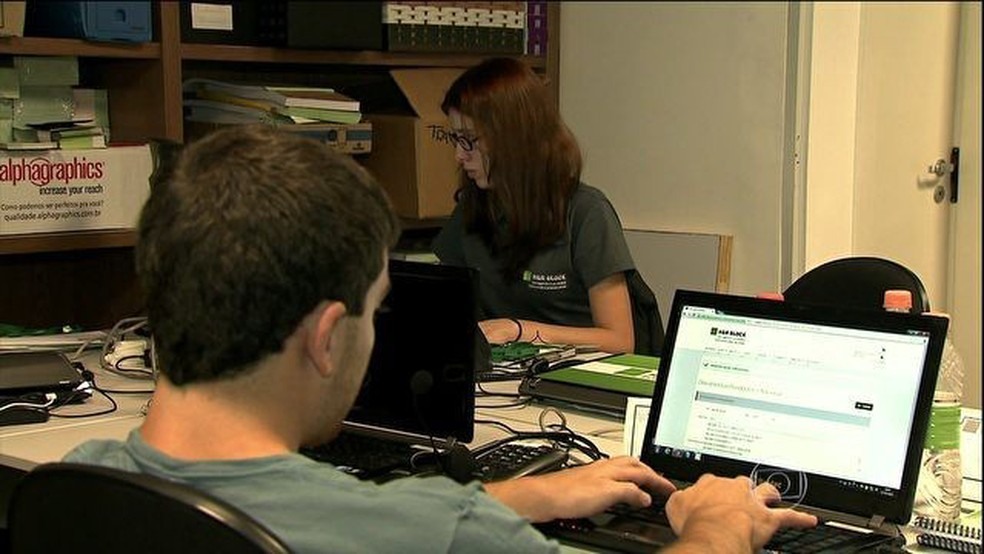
x=314, y=507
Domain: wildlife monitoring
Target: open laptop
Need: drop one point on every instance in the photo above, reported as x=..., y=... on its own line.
x=830, y=405
x=420, y=384
x=421, y=377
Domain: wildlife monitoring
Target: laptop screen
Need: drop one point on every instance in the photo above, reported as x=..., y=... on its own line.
x=421, y=377
x=829, y=404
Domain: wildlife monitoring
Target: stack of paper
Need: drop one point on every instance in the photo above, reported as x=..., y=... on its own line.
x=208, y=99
x=41, y=106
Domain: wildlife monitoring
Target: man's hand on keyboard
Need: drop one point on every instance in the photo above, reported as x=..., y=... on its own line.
x=718, y=514
x=581, y=491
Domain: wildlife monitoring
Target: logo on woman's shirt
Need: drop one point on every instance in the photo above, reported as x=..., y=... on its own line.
x=545, y=281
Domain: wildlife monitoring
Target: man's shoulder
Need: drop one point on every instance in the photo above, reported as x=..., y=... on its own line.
x=112, y=453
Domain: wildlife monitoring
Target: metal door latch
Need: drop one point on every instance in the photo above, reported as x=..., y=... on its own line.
x=941, y=167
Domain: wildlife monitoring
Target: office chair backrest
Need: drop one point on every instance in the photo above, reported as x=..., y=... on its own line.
x=63, y=507
x=859, y=281
x=646, y=321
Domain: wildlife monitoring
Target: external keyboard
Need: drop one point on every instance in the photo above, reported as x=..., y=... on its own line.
x=513, y=460
x=369, y=457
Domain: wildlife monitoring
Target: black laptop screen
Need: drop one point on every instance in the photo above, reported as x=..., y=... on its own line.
x=830, y=405
x=421, y=376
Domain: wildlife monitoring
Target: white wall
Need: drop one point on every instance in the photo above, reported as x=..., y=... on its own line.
x=830, y=156
x=679, y=109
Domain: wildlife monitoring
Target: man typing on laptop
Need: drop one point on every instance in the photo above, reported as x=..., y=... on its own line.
x=263, y=258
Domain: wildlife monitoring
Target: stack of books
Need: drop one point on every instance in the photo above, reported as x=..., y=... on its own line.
x=206, y=100
x=321, y=113
x=42, y=107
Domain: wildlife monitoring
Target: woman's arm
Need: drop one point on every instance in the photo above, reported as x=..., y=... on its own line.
x=611, y=310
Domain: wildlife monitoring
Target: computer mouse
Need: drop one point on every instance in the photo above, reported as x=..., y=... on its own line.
x=18, y=410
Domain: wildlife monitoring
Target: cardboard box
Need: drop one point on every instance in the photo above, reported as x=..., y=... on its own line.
x=72, y=190
x=12, y=19
x=412, y=155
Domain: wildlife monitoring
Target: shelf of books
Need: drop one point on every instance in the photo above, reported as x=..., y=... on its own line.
x=102, y=102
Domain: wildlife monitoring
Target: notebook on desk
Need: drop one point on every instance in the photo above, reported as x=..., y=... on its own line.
x=830, y=405
x=420, y=384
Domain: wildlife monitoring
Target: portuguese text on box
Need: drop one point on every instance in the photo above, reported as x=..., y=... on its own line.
x=73, y=190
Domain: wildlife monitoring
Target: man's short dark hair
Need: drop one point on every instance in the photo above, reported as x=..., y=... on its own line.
x=250, y=232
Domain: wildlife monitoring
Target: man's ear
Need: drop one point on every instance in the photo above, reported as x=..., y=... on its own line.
x=319, y=339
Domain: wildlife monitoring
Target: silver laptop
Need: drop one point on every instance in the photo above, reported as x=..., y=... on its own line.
x=830, y=405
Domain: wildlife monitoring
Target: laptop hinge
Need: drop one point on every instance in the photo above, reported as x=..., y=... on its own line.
x=876, y=521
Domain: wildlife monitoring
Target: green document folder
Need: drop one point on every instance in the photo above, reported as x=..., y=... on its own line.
x=629, y=373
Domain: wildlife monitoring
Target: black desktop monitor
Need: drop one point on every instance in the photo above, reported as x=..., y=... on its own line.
x=421, y=377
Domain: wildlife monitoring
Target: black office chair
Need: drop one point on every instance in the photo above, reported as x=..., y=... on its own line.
x=646, y=320
x=859, y=281
x=63, y=507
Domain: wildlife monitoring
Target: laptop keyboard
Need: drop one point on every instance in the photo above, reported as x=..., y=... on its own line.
x=823, y=539
x=363, y=456
x=628, y=529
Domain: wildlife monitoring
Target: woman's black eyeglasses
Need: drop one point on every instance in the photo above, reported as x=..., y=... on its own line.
x=467, y=143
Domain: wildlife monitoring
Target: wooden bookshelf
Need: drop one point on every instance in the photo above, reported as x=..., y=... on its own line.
x=34, y=46
x=87, y=277
x=251, y=54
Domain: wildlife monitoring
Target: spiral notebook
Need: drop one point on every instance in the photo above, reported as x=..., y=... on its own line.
x=947, y=535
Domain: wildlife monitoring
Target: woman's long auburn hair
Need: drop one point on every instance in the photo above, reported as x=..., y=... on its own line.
x=534, y=162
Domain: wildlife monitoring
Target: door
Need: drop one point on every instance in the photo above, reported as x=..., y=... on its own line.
x=906, y=71
x=965, y=274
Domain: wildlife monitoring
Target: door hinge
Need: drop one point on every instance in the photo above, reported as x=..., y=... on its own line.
x=954, y=174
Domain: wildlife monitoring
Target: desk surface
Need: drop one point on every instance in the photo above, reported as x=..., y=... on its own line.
x=50, y=441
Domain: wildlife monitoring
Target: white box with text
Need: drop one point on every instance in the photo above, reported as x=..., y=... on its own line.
x=73, y=190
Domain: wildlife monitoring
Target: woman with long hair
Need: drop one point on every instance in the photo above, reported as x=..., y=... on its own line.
x=550, y=250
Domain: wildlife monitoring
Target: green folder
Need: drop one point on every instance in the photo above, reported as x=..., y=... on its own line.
x=631, y=374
